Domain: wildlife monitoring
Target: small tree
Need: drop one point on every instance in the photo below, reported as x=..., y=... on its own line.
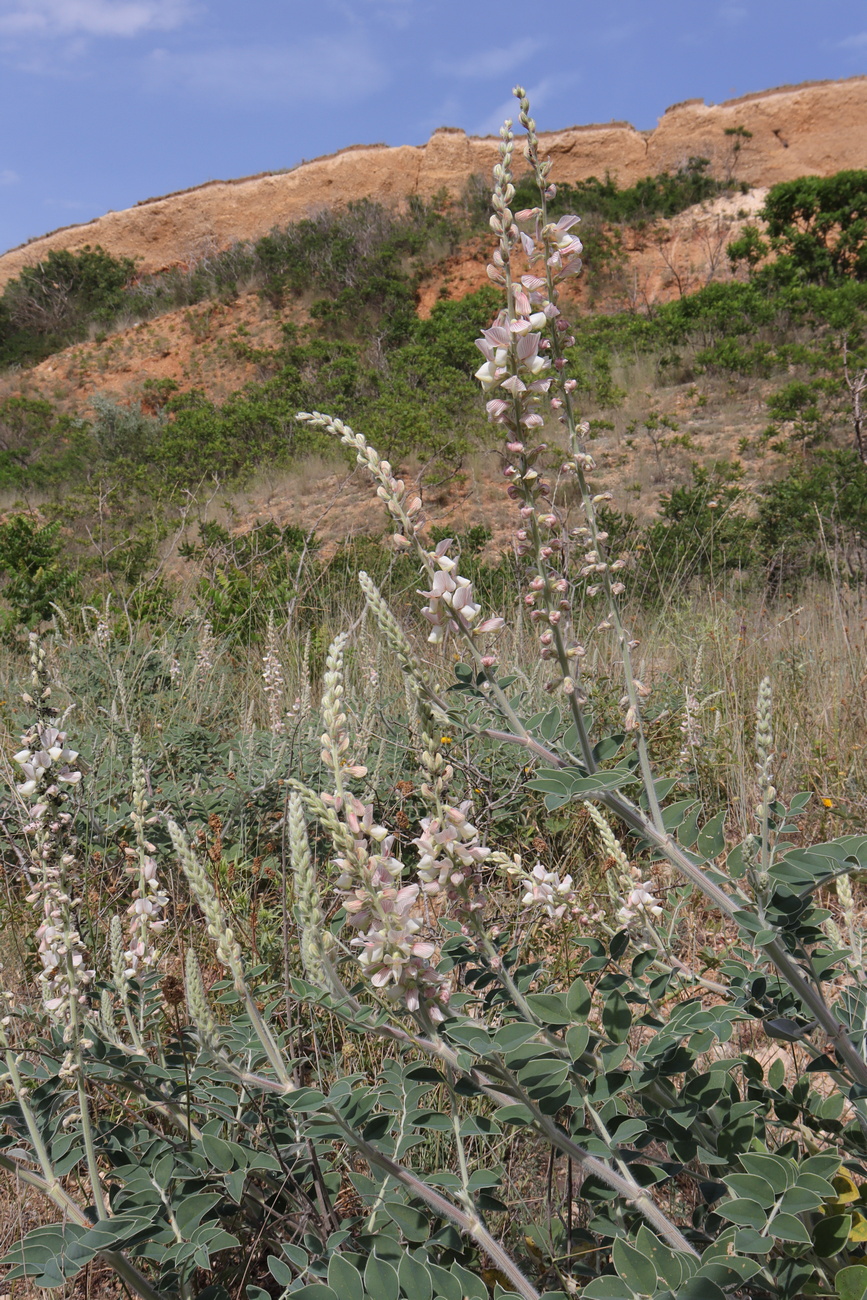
x=737, y=137
x=818, y=226
x=35, y=573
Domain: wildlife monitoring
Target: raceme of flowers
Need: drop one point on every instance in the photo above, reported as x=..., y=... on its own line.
x=46, y=761
x=640, y=905
x=451, y=605
x=149, y=898
x=450, y=855
x=273, y=681
x=50, y=770
x=394, y=959
x=546, y=892
x=451, y=597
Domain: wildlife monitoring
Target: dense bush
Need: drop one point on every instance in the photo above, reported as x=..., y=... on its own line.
x=247, y=577
x=39, y=447
x=54, y=302
x=816, y=226
x=814, y=519
x=701, y=532
x=35, y=573
x=663, y=195
x=357, y=266
x=417, y=395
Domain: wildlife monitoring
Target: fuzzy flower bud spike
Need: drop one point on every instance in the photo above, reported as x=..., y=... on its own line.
x=198, y=1005
x=310, y=915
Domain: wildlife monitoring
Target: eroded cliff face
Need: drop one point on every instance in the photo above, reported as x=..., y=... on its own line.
x=814, y=129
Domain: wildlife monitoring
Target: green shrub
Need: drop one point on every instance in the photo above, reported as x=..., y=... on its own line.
x=52, y=303
x=818, y=227
x=814, y=520
x=40, y=448
x=247, y=576
x=34, y=569
x=701, y=532
x=663, y=195
x=123, y=432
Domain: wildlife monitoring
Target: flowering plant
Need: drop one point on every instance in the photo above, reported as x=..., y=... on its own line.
x=185, y=1147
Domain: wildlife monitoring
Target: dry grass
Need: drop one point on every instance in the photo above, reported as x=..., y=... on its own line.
x=715, y=645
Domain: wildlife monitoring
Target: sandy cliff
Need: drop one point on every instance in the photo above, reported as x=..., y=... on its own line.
x=815, y=128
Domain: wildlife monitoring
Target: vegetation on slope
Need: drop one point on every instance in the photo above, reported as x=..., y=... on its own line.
x=796, y=321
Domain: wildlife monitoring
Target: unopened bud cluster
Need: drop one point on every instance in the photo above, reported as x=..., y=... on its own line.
x=273, y=681
x=311, y=919
x=227, y=947
x=764, y=749
x=335, y=738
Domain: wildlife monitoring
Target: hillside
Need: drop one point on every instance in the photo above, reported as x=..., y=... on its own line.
x=433, y=856
x=140, y=407
x=816, y=128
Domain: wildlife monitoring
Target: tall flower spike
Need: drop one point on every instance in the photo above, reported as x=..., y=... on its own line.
x=198, y=1005
x=228, y=948
x=310, y=915
x=403, y=505
x=206, y=645
x=273, y=681
x=335, y=738
x=305, y=693
x=51, y=769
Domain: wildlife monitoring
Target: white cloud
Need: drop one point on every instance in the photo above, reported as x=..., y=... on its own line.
x=399, y=14
x=320, y=68
x=8, y=177
x=855, y=42
x=495, y=62
x=733, y=13
x=47, y=18
x=618, y=34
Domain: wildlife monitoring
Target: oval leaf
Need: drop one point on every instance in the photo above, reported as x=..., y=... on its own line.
x=633, y=1267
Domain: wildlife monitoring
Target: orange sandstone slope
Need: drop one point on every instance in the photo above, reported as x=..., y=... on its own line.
x=815, y=128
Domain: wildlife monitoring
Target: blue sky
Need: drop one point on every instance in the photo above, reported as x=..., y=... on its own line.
x=106, y=102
